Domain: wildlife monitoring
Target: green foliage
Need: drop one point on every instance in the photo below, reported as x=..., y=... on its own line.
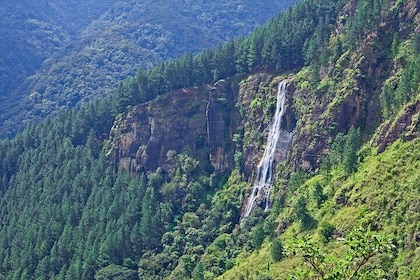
x=301, y=213
x=296, y=180
x=279, y=45
x=361, y=247
x=395, y=43
x=327, y=231
x=263, y=277
x=317, y=194
x=258, y=235
x=366, y=18
x=276, y=250
x=344, y=150
x=116, y=272
x=403, y=86
x=150, y=223
x=72, y=53
x=68, y=212
x=350, y=149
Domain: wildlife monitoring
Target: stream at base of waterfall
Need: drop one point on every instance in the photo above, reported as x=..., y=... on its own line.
x=276, y=137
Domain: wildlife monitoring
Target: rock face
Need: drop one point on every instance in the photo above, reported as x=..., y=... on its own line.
x=256, y=118
x=211, y=124
x=406, y=125
x=226, y=124
x=198, y=121
x=141, y=139
x=222, y=121
x=346, y=95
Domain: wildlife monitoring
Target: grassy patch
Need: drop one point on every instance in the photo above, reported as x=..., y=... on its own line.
x=383, y=193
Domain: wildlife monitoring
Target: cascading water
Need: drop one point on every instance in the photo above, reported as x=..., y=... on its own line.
x=264, y=180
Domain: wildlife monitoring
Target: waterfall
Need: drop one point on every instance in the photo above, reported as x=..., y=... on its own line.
x=264, y=180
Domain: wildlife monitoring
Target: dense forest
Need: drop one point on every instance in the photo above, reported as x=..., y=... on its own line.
x=345, y=199
x=67, y=53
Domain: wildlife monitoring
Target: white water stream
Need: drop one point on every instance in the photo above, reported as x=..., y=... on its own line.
x=264, y=180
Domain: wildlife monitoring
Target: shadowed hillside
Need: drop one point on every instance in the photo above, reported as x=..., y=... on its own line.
x=67, y=53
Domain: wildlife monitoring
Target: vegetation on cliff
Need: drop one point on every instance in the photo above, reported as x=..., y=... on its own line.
x=344, y=204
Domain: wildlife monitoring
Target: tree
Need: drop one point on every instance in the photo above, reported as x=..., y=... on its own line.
x=326, y=231
x=116, y=272
x=296, y=180
x=302, y=214
x=351, y=146
x=258, y=236
x=416, y=44
x=337, y=49
x=317, y=194
x=361, y=246
x=395, y=44
x=150, y=225
x=198, y=272
x=276, y=250
x=386, y=100
x=344, y=150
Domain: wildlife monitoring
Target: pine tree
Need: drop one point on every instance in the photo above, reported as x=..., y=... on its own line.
x=351, y=146
x=394, y=45
x=337, y=49
x=150, y=220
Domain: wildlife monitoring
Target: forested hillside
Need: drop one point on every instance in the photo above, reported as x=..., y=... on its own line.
x=152, y=182
x=58, y=55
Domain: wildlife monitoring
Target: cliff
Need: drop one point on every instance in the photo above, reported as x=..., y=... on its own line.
x=163, y=196
x=210, y=123
x=141, y=138
x=199, y=121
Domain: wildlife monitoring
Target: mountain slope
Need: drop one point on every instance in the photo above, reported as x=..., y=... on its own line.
x=32, y=32
x=152, y=183
x=372, y=197
x=69, y=53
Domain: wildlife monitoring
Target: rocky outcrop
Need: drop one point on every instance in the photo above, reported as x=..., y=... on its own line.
x=406, y=126
x=198, y=121
x=346, y=95
x=310, y=137
x=211, y=124
x=256, y=102
x=222, y=120
x=141, y=139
